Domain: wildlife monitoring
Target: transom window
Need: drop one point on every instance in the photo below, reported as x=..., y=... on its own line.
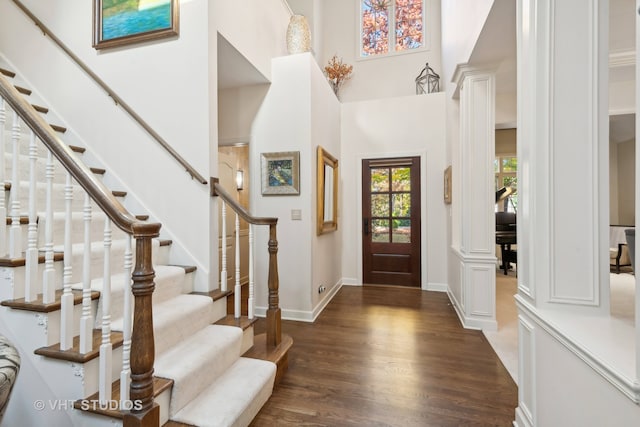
x=389, y=26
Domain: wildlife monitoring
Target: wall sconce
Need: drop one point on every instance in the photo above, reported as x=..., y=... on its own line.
x=239, y=179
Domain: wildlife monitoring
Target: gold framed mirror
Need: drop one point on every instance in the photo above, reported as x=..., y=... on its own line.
x=327, y=206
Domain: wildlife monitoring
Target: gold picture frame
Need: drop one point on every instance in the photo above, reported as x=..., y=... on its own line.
x=281, y=173
x=327, y=202
x=447, y=185
x=124, y=22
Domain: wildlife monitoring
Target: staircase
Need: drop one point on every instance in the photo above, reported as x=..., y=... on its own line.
x=99, y=311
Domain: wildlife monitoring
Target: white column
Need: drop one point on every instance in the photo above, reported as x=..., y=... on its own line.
x=563, y=150
x=563, y=203
x=477, y=197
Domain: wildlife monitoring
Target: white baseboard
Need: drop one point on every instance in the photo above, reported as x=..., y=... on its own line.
x=521, y=420
x=471, y=322
x=437, y=287
x=302, y=315
x=348, y=281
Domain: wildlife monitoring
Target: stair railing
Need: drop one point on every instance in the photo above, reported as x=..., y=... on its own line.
x=273, y=317
x=139, y=389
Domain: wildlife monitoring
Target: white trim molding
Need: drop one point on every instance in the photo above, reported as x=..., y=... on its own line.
x=629, y=387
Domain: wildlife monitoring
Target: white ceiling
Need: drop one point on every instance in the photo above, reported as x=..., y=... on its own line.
x=497, y=45
x=233, y=69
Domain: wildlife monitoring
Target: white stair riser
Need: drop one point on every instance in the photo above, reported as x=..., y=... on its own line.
x=12, y=280
x=160, y=257
x=58, y=202
x=24, y=168
x=247, y=340
x=25, y=136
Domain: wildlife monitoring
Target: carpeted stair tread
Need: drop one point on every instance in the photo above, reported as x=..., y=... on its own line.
x=198, y=361
x=177, y=319
x=234, y=399
x=168, y=283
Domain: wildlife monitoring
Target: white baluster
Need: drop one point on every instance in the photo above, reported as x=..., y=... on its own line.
x=105, y=347
x=223, y=230
x=125, y=374
x=3, y=207
x=49, y=275
x=15, y=236
x=251, y=281
x=66, y=310
x=86, y=332
x=238, y=289
x=31, y=255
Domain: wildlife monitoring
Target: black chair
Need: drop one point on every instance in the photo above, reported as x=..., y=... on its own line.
x=630, y=236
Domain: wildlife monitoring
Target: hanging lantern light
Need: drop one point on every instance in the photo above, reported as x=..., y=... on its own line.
x=428, y=81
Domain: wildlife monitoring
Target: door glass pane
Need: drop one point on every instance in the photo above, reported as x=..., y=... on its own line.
x=380, y=230
x=401, y=231
x=401, y=205
x=379, y=180
x=401, y=179
x=380, y=205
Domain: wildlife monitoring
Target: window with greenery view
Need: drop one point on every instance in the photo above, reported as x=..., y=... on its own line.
x=391, y=26
x=506, y=169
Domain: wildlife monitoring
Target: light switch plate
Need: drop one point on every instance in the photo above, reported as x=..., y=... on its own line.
x=296, y=214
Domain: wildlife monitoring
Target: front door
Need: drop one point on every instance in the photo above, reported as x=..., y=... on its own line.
x=391, y=221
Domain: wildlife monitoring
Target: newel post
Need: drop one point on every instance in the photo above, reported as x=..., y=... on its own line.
x=274, y=334
x=145, y=412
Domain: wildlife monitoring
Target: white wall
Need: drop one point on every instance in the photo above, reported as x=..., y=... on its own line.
x=326, y=249
x=171, y=83
x=391, y=127
x=381, y=77
x=559, y=388
x=237, y=108
x=288, y=122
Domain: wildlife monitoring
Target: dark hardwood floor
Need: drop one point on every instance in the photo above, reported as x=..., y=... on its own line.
x=389, y=356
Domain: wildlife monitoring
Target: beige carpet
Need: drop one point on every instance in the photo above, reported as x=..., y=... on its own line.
x=505, y=340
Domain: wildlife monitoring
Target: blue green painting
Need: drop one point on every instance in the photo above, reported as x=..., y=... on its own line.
x=121, y=18
x=280, y=172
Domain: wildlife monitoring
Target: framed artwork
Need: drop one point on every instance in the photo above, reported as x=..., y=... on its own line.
x=123, y=22
x=327, y=202
x=447, y=185
x=281, y=173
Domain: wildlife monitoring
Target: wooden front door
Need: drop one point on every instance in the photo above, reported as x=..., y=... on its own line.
x=391, y=221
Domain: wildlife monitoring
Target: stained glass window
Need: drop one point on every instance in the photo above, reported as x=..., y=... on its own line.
x=391, y=25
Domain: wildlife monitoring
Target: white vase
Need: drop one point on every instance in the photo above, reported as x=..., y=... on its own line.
x=298, y=35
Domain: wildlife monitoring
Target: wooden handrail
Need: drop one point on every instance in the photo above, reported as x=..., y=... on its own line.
x=274, y=316
x=119, y=101
x=218, y=190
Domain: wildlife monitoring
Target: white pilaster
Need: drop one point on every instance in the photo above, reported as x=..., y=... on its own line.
x=476, y=88
x=563, y=214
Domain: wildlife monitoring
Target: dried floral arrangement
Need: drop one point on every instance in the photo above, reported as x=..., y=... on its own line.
x=337, y=72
